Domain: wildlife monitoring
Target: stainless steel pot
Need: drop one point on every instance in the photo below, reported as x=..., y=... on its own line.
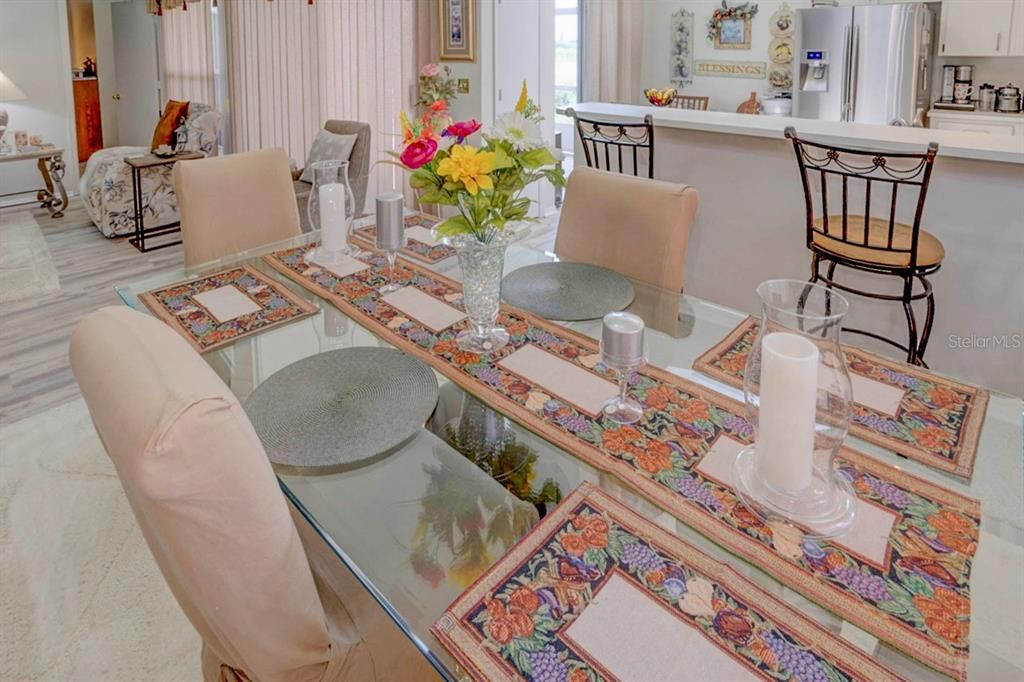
x=1008, y=99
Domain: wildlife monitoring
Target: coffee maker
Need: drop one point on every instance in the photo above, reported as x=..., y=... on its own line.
x=957, y=87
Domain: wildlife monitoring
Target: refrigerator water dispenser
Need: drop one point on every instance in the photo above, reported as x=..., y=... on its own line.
x=814, y=71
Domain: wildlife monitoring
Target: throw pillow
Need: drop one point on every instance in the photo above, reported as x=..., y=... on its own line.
x=164, y=133
x=202, y=132
x=327, y=147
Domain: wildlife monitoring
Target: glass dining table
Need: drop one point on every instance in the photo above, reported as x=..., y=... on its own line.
x=420, y=525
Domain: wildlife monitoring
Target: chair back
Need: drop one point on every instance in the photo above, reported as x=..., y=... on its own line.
x=850, y=178
x=234, y=203
x=204, y=495
x=358, y=160
x=689, y=102
x=614, y=146
x=636, y=226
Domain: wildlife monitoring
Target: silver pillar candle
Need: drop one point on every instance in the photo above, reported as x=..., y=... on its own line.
x=622, y=340
x=390, y=221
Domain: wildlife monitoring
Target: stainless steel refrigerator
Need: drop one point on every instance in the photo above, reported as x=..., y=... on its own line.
x=864, y=64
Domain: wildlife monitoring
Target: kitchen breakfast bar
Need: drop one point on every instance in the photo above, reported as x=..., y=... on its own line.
x=751, y=225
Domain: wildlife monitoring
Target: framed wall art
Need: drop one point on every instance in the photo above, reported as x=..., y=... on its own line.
x=729, y=27
x=458, y=30
x=681, y=57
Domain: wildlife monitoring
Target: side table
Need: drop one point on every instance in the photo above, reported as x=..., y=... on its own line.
x=138, y=164
x=50, y=162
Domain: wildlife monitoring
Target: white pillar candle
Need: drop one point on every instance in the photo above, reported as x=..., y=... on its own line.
x=786, y=416
x=333, y=227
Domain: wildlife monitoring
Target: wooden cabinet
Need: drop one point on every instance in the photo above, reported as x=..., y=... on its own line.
x=88, y=127
x=977, y=28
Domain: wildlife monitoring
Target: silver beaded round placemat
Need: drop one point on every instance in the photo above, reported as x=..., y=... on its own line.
x=341, y=409
x=567, y=291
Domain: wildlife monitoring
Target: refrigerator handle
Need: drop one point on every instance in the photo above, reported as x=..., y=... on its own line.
x=844, y=107
x=854, y=71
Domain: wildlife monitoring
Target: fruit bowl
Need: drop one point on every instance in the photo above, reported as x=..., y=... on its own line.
x=660, y=97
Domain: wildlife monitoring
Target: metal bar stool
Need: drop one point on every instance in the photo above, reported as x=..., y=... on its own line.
x=604, y=136
x=862, y=242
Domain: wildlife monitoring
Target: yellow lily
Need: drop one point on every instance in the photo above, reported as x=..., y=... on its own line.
x=470, y=166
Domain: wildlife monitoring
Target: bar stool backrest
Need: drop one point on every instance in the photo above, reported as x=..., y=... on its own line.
x=604, y=141
x=859, y=176
x=689, y=102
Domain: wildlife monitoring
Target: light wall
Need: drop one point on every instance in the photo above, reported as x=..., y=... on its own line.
x=83, y=33
x=35, y=54
x=726, y=93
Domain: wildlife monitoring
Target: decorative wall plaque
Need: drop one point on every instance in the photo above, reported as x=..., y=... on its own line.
x=711, y=67
x=681, y=55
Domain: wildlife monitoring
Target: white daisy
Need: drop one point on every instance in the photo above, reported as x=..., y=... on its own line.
x=518, y=130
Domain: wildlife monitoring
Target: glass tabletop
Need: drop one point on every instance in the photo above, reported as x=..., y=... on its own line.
x=417, y=527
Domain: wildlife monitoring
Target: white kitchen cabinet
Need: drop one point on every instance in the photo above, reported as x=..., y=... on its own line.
x=989, y=123
x=1017, y=29
x=977, y=28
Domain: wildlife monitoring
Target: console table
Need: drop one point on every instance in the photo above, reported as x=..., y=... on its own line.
x=138, y=164
x=50, y=162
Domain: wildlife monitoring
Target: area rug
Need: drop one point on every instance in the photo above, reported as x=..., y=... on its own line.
x=26, y=268
x=81, y=597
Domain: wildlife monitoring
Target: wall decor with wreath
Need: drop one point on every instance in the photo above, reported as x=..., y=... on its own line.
x=729, y=27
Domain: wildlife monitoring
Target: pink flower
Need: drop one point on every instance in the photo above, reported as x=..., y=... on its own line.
x=430, y=70
x=439, y=105
x=462, y=129
x=418, y=153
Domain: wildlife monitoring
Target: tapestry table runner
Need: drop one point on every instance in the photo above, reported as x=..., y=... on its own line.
x=901, y=573
x=597, y=592
x=419, y=244
x=914, y=413
x=219, y=309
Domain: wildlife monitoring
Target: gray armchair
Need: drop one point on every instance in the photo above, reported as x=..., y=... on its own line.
x=358, y=170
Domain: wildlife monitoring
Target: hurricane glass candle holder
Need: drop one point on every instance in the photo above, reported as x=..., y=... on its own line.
x=390, y=220
x=799, y=400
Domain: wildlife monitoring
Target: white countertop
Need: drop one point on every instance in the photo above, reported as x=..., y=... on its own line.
x=892, y=138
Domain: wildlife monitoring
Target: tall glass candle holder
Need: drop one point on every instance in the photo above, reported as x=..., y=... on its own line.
x=390, y=219
x=331, y=208
x=799, y=400
x=623, y=349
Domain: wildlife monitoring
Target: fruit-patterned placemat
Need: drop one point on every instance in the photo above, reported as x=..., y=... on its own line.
x=914, y=413
x=219, y=309
x=597, y=592
x=419, y=242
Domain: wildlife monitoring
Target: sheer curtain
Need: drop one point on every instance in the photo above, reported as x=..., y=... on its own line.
x=188, y=53
x=613, y=47
x=293, y=66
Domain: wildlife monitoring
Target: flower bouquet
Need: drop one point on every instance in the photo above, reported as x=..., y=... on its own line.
x=484, y=184
x=436, y=85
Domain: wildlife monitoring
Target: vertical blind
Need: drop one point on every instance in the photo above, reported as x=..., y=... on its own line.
x=292, y=66
x=188, y=54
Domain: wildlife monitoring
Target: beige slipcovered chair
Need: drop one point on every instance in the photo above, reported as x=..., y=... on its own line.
x=634, y=226
x=209, y=506
x=234, y=203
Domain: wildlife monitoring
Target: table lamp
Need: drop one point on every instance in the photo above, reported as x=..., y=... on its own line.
x=9, y=92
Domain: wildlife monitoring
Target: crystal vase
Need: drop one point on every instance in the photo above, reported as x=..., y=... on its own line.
x=799, y=400
x=481, y=264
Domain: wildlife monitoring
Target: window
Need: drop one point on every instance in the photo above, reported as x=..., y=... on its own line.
x=568, y=31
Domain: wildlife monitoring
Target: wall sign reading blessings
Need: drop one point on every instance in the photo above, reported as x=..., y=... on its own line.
x=731, y=69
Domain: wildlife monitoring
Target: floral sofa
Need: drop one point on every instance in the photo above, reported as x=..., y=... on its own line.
x=106, y=184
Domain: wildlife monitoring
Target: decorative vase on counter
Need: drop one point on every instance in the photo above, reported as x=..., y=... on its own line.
x=800, y=402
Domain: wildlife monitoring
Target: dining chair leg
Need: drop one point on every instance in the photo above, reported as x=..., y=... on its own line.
x=908, y=310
